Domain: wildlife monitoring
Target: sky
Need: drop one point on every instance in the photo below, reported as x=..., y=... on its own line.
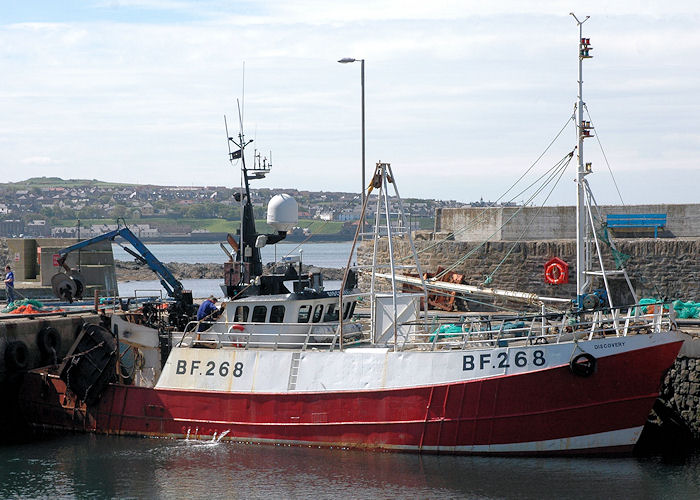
x=461, y=97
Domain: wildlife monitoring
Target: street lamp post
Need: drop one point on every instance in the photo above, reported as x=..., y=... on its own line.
x=346, y=60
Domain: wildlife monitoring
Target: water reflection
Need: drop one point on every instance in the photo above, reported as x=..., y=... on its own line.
x=103, y=466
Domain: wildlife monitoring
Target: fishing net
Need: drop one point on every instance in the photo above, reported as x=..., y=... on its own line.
x=28, y=306
x=445, y=331
x=620, y=258
x=647, y=305
x=686, y=310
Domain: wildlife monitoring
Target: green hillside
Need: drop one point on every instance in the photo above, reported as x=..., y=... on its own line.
x=184, y=225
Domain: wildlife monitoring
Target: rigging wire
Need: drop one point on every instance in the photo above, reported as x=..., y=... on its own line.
x=482, y=216
x=585, y=106
x=551, y=173
x=352, y=200
x=489, y=278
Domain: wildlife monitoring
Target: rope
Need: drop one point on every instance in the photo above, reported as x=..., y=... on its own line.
x=605, y=157
x=619, y=257
x=489, y=278
x=551, y=173
x=493, y=204
x=322, y=226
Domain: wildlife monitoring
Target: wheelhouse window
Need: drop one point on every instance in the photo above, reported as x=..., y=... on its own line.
x=318, y=312
x=277, y=314
x=304, y=314
x=259, y=314
x=241, y=314
x=331, y=313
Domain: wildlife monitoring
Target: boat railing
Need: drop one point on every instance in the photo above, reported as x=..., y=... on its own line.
x=249, y=334
x=467, y=333
x=483, y=332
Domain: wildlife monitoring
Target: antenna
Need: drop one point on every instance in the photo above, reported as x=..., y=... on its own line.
x=241, y=109
x=240, y=118
x=228, y=140
x=577, y=21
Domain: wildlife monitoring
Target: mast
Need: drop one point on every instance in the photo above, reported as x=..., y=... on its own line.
x=248, y=255
x=582, y=131
x=248, y=252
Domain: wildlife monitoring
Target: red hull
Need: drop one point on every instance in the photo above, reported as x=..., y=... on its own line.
x=538, y=406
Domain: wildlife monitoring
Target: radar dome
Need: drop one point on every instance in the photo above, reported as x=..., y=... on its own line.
x=282, y=212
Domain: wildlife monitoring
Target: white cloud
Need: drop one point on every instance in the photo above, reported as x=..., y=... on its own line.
x=38, y=160
x=460, y=96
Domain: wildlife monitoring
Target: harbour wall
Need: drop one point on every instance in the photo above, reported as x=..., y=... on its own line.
x=680, y=392
x=658, y=267
x=547, y=223
x=33, y=261
x=675, y=419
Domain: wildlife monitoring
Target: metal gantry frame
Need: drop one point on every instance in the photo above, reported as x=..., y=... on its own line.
x=382, y=178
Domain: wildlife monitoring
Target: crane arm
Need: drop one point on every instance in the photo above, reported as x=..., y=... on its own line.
x=170, y=283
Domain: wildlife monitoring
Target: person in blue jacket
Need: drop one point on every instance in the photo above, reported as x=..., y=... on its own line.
x=9, y=285
x=207, y=312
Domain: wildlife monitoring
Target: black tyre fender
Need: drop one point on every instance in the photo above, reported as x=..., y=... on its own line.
x=583, y=365
x=49, y=340
x=17, y=355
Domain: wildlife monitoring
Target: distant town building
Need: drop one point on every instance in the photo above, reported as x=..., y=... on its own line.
x=11, y=228
x=37, y=228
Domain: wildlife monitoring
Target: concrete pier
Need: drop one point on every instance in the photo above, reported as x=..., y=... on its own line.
x=34, y=264
x=28, y=342
x=553, y=223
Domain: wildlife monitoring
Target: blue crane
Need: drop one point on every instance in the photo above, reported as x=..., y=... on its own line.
x=64, y=289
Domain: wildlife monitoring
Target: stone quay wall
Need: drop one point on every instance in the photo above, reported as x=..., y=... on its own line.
x=658, y=267
x=680, y=392
x=544, y=223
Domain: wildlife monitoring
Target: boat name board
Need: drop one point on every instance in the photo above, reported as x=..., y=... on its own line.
x=503, y=360
x=609, y=345
x=196, y=367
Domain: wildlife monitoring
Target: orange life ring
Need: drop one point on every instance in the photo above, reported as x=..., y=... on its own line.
x=555, y=273
x=239, y=328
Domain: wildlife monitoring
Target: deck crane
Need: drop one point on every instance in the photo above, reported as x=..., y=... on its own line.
x=69, y=285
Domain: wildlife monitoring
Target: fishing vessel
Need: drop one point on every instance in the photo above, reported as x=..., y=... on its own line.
x=580, y=380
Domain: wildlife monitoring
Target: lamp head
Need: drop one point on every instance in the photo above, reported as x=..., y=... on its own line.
x=346, y=60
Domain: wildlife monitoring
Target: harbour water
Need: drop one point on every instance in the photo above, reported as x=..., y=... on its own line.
x=200, y=288
x=318, y=254
x=334, y=254
x=85, y=466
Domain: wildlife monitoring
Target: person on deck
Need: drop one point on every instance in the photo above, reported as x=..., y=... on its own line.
x=207, y=312
x=9, y=285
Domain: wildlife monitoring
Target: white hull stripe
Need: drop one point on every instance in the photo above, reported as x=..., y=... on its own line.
x=610, y=439
x=618, y=439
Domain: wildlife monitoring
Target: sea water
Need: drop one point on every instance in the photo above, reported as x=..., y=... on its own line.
x=332, y=254
x=317, y=254
x=200, y=287
x=88, y=466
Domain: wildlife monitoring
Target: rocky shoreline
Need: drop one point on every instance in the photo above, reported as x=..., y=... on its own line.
x=131, y=271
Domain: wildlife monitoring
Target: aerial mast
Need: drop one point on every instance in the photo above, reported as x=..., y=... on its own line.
x=583, y=130
x=248, y=265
